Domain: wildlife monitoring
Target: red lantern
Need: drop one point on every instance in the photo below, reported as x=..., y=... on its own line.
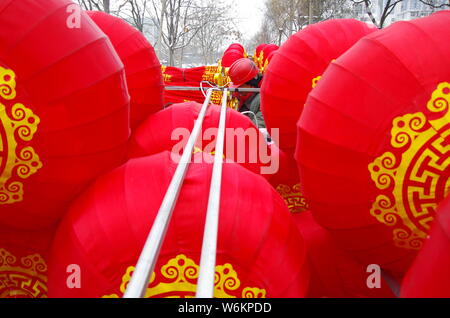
x=23, y=263
x=170, y=129
x=174, y=75
x=259, y=253
x=295, y=69
x=142, y=67
x=373, y=142
x=287, y=182
x=266, y=56
x=258, y=53
x=233, y=53
x=429, y=276
x=65, y=109
x=333, y=272
x=237, y=46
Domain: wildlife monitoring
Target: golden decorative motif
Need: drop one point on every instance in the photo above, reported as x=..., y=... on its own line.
x=18, y=125
x=24, y=279
x=215, y=74
x=232, y=102
x=413, y=177
x=315, y=81
x=210, y=73
x=167, y=78
x=7, y=84
x=294, y=199
x=259, y=59
x=179, y=276
x=199, y=150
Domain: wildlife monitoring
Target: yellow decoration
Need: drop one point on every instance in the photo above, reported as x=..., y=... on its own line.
x=179, y=277
x=26, y=278
x=294, y=199
x=7, y=84
x=412, y=177
x=167, y=78
x=232, y=102
x=315, y=81
x=19, y=124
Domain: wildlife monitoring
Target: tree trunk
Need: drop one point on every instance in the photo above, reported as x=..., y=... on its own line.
x=158, y=44
x=310, y=12
x=106, y=6
x=171, y=57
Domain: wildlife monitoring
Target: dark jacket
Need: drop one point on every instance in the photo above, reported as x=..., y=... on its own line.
x=253, y=104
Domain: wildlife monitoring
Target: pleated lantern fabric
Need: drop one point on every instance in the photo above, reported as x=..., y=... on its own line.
x=64, y=109
x=266, y=56
x=233, y=53
x=429, y=276
x=142, y=67
x=179, y=96
x=260, y=252
x=373, y=142
x=194, y=74
x=23, y=262
x=297, y=66
x=287, y=182
x=170, y=130
x=334, y=274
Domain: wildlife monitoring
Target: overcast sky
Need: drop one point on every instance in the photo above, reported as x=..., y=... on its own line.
x=249, y=13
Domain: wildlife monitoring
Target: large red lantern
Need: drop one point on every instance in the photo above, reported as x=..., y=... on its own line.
x=260, y=252
x=296, y=67
x=170, y=129
x=373, y=142
x=429, y=276
x=23, y=262
x=142, y=67
x=334, y=274
x=64, y=109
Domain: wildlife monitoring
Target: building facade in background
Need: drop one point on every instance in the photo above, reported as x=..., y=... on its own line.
x=405, y=10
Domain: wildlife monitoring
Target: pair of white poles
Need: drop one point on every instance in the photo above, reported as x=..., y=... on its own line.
x=144, y=268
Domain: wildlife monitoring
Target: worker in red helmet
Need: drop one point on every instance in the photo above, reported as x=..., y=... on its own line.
x=245, y=74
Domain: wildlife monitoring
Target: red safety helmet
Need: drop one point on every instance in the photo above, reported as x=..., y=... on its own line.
x=242, y=71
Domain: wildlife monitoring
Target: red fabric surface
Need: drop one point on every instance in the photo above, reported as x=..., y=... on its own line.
x=364, y=163
x=155, y=135
x=303, y=57
x=106, y=228
x=75, y=83
x=334, y=274
x=176, y=74
x=23, y=262
x=142, y=67
x=429, y=276
x=232, y=54
x=175, y=97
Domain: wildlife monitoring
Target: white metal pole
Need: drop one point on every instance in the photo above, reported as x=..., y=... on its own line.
x=144, y=268
x=205, y=285
x=194, y=88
